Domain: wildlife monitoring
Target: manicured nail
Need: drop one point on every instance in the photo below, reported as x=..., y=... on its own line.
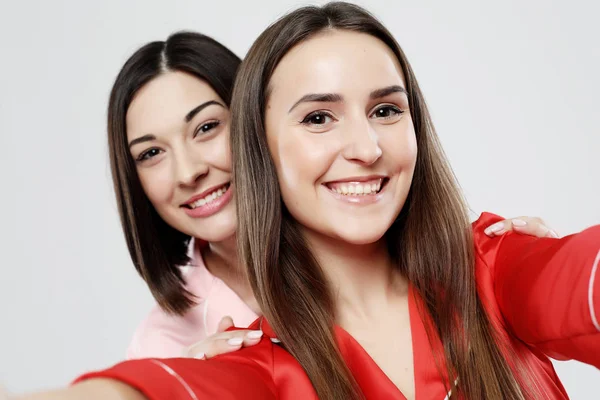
x=554, y=234
x=235, y=341
x=275, y=340
x=200, y=356
x=518, y=222
x=254, y=334
x=497, y=227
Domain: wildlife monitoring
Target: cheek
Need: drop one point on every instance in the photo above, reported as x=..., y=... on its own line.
x=220, y=152
x=158, y=186
x=216, y=152
x=300, y=160
x=401, y=147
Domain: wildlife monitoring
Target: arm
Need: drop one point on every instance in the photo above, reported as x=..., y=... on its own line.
x=547, y=290
x=173, y=379
x=224, y=378
x=166, y=336
x=94, y=389
x=163, y=335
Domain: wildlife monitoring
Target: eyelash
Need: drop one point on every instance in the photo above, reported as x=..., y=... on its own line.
x=146, y=154
x=395, y=109
x=212, y=125
x=307, y=119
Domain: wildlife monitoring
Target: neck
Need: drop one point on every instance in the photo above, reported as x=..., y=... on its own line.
x=221, y=257
x=221, y=260
x=363, y=278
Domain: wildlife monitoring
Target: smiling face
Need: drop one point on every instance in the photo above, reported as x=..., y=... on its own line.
x=178, y=135
x=341, y=135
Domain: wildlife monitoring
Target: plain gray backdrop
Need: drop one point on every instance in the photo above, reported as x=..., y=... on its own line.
x=513, y=87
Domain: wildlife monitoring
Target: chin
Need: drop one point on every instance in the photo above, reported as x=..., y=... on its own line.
x=215, y=237
x=361, y=235
x=217, y=230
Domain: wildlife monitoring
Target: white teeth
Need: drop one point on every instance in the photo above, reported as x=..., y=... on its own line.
x=210, y=197
x=358, y=188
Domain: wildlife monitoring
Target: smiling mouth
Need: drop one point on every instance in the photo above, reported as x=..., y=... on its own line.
x=351, y=188
x=209, y=198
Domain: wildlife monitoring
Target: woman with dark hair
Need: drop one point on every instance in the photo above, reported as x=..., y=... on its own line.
x=365, y=265
x=168, y=135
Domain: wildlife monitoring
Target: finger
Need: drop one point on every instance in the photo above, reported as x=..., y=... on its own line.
x=497, y=228
x=243, y=339
x=252, y=338
x=533, y=227
x=215, y=344
x=223, y=343
x=525, y=225
x=225, y=323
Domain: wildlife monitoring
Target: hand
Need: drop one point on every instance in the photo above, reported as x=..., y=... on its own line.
x=526, y=225
x=223, y=342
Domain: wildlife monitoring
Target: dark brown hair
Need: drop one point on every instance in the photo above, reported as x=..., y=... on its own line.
x=430, y=241
x=156, y=248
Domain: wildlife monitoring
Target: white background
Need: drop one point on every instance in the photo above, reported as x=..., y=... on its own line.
x=513, y=87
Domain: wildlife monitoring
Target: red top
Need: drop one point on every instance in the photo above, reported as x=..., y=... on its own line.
x=544, y=294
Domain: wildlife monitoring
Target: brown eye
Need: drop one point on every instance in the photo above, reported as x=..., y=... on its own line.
x=148, y=154
x=207, y=127
x=387, y=111
x=317, y=118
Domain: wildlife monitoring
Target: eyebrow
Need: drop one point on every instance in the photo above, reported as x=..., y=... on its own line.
x=336, y=98
x=386, y=91
x=201, y=107
x=189, y=116
x=141, y=139
x=318, y=97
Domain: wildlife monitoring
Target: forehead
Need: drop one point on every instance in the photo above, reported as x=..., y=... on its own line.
x=166, y=99
x=336, y=61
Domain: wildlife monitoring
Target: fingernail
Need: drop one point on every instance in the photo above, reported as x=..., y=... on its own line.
x=554, y=234
x=519, y=222
x=200, y=356
x=235, y=341
x=497, y=227
x=254, y=335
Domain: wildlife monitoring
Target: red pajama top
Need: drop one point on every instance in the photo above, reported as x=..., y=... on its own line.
x=543, y=294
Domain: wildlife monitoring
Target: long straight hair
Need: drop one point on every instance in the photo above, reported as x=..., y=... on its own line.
x=156, y=248
x=430, y=241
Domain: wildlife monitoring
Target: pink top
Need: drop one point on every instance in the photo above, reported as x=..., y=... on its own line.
x=162, y=335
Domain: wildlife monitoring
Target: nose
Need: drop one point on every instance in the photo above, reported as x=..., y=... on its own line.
x=361, y=143
x=188, y=167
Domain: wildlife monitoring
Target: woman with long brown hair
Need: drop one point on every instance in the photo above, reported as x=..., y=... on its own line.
x=365, y=265
x=168, y=141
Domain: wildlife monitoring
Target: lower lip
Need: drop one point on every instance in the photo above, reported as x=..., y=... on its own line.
x=361, y=199
x=211, y=208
